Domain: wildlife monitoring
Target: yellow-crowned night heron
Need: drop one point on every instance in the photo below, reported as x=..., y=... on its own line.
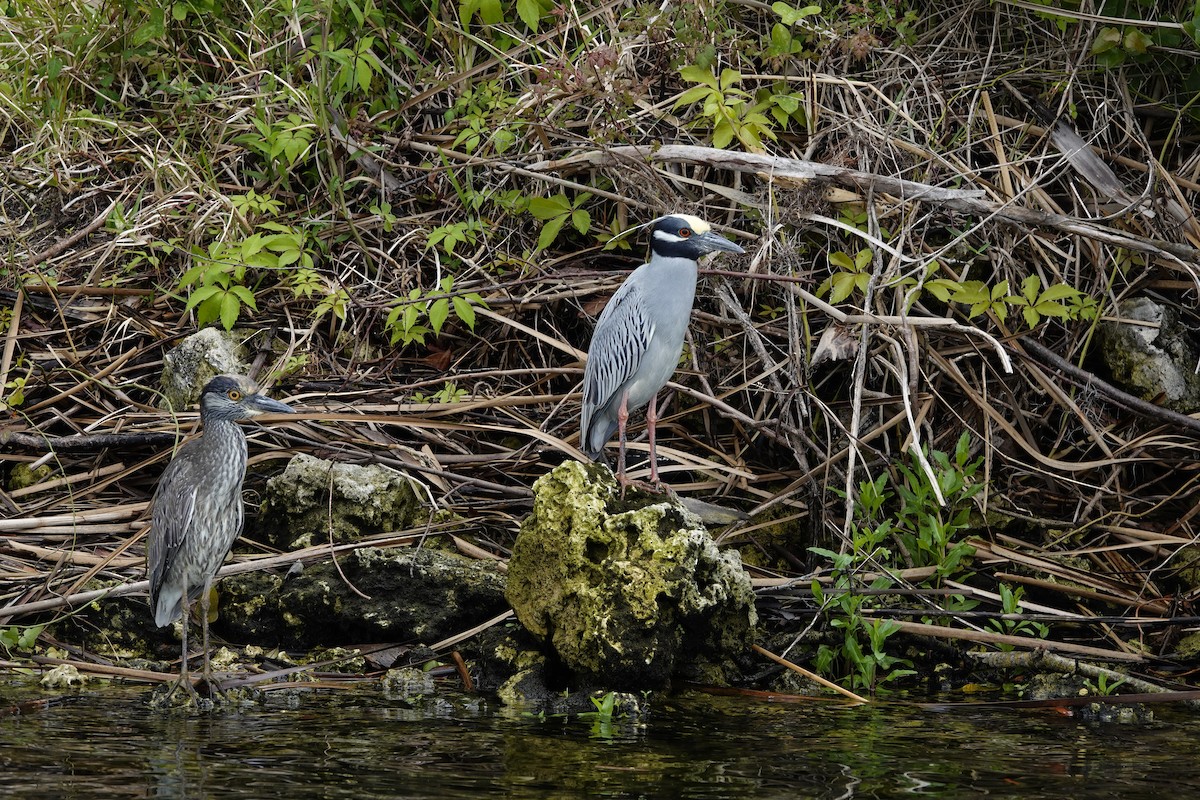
x=197, y=512
x=639, y=336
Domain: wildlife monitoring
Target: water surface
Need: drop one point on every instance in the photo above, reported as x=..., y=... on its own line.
x=109, y=744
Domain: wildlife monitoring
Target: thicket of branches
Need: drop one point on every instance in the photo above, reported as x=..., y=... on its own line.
x=412, y=218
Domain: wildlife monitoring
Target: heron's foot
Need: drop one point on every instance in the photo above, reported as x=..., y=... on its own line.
x=179, y=693
x=650, y=487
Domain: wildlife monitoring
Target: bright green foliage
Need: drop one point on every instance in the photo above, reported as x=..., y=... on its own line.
x=355, y=67
x=491, y=12
x=781, y=42
x=217, y=285
x=480, y=109
x=894, y=530
x=280, y=143
x=730, y=110
x=423, y=313
x=1010, y=603
x=854, y=274
x=218, y=278
x=1101, y=686
x=449, y=393
x=556, y=211
x=455, y=233
x=929, y=532
x=1059, y=301
x=21, y=639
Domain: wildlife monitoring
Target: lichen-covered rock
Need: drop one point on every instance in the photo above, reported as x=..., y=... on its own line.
x=194, y=361
x=395, y=595
x=367, y=499
x=626, y=595
x=1156, y=360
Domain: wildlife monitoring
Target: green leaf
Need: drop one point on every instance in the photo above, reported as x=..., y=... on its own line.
x=1107, y=39
x=729, y=77
x=1048, y=309
x=530, y=13
x=693, y=95
x=942, y=288
x=843, y=284
x=465, y=312
x=549, y=207
x=491, y=12
x=972, y=292
x=1030, y=287
x=245, y=295
x=438, y=312
x=791, y=15
x=550, y=231
x=696, y=74
x=1059, y=291
x=229, y=310
x=581, y=221
x=840, y=259
x=199, y=296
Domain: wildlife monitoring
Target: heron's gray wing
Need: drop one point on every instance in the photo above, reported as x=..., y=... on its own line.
x=174, y=509
x=623, y=334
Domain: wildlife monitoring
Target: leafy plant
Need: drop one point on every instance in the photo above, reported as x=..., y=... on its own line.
x=449, y=393
x=1010, y=603
x=218, y=279
x=280, y=143
x=21, y=639
x=906, y=527
x=781, y=42
x=478, y=108
x=453, y=234
x=853, y=274
x=423, y=313
x=732, y=111
x=556, y=211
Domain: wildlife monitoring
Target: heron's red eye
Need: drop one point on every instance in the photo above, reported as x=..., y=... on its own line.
x=234, y=395
x=685, y=232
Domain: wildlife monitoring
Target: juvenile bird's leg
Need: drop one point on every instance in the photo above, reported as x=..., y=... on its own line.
x=205, y=599
x=184, y=680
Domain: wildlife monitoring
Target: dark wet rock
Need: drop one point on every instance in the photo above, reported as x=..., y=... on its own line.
x=198, y=358
x=1155, y=360
x=627, y=593
x=410, y=595
x=297, y=510
x=407, y=684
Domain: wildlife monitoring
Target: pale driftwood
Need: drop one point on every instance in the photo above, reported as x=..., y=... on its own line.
x=963, y=200
x=1025, y=642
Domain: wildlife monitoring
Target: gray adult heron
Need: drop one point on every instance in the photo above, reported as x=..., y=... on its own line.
x=198, y=509
x=639, y=336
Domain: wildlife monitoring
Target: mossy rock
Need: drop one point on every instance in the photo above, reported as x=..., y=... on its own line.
x=1155, y=361
x=395, y=595
x=297, y=510
x=196, y=360
x=626, y=594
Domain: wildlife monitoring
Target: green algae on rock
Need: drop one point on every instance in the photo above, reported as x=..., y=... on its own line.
x=626, y=593
x=297, y=510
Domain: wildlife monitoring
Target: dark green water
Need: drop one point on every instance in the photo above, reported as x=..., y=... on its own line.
x=108, y=744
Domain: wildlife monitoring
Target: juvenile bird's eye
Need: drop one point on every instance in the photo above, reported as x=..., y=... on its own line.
x=685, y=232
x=234, y=395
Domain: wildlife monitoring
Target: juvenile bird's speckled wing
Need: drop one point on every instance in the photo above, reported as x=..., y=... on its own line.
x=622, y=335
x=173, y=515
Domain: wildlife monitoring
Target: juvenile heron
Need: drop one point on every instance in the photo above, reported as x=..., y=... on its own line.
x=197, y=512
x=639, y=336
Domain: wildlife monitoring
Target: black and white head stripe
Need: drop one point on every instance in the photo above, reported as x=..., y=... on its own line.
x=685, y=236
